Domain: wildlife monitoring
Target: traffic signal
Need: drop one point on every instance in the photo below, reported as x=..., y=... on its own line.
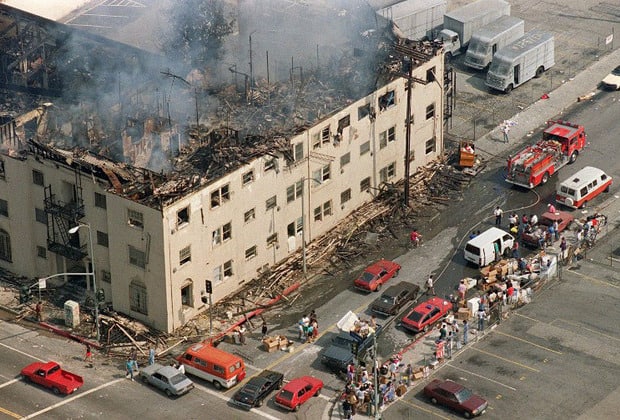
x=209, y=286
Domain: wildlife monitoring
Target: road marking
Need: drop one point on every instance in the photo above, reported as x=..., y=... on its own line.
x=527, y=317
x=419, y=407
x=12, y=381
x=247, y=365
x=506, y=360
x=75, y=397
x=585, y=328
x=528, y=342
x=10, y=413
x=21, y=352
x=594, y=280
x=227, y=399
x=481, y=376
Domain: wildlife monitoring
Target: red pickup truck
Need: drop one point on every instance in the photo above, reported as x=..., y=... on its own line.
x=50, y=375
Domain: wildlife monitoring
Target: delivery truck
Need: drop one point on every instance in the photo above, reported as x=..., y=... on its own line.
x=487, y=40
x=516, y=63
x=416, y=19
x=460, y=24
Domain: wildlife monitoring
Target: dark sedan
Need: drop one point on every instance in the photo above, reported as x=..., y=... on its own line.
x=395, y=298
x=257, y=389
x=456, y=397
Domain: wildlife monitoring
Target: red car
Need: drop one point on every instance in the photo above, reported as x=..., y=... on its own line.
x=456, y=397
x=297, y=392
x=376, y=275
x=423, y=316
x=51, y=376
x=563, y=218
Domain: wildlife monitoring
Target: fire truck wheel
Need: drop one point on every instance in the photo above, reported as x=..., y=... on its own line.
x=545, y=178
x=573, y=156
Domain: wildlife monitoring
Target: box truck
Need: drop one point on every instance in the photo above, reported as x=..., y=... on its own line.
x=487, y=40
x=516, y=63
x=416, y=19
x=460, y=24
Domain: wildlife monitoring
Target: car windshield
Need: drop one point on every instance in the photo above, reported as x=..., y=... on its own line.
x=341, y=342
x=415, y=316
x=616, y=71
x=250, y=388
x=286, y=395
x=463, y=395
x=367, y=277
x=177, y=379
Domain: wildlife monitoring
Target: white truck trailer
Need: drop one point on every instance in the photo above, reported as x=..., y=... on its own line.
x=487, y=40
x=416, y=19
x=460, y=24
x=516, y=63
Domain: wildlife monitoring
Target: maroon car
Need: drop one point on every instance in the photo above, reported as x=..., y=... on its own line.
x=531, y=238
x=456, y=397
x=376, y=275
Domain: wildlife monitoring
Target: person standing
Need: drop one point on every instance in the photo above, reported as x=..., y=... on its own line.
x=151, y=356
x=465, y=331
x=430, y=285
x=498, y=216
x=88, y=357
x=481, y=316
x=39, y=311
x=408, y=374
x=133, y=356
x=563, y=246
x=462, y=289
x=129, y=368
x=415, y=238
x=242, y=331
x=551, y=208
x=264, y=329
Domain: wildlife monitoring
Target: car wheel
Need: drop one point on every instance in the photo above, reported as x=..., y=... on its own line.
x=434, y=400
x=467, y=414
x=539, y=71
x=144, y=379
x=217, y=385
x=396, y=273
x=259, y=403
x=296, y=409
x=584, y=205
x=378, y=287
x=318, y=392
x=545, y=178
x=55, y=390
x=508, y=88
x=425, y=329
x=168, y=393
x=573, y=157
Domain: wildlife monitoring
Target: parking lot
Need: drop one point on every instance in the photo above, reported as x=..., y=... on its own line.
x=562, y=347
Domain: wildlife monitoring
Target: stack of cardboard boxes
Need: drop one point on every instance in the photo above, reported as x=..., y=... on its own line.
x=278, y=342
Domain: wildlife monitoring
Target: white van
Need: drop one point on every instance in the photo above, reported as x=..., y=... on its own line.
x=481, y=249
x=582, y=187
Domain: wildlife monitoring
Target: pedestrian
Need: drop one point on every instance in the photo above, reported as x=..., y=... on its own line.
x=481, y=316
x=346, y=409
x=393, y=369
x=430, y=285
x=513, y=220
x=39, y=311
x=134, y=358
x=129, y=368
x=312, y=317
x=300, y=326
x=556, y=229
x=408, y=374
x=505, y=130
x=472, y=235
x=263, y=329
x=315, y=330
x=242, y=331
x=563, y=246
x=551, y=208
x=498, y=216
x=465, y=331
x=309, y=333
x=515, y=249
x=151, y=356
x=449, y=345
x=462, y=289
x=415, y=238
x=88, y=357
x=353, y=401
x=351, y=371
x=533, y=220
x=443, y=333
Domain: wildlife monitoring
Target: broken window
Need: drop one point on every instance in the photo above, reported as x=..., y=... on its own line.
x=137, y=257
x=183, y=216
x=322, y=174
x=387, y=100
x=186, y=294
x=365, y=184
x=363, y=111
x=325, y=133
x=138, y=297
x=293, y=192
x=345, y=196
x=102, y=239
x=40, y=216
x=216, y=236
x=298, y=152
x=295, y=228
x=271, y=164
x=430, y=75
x=251, y=253
x=249, y=215
x=248, y=177
x=430, y=145
x=220, y=196
x=344, y=123
x=345, y=159
x=135, y=218
x=185, y=255
x=387, y=173
x=386, y=137
x=37, y=177
x=5, y=246
x=100, y=201
x=316, y=140
x=430, y=111
x=271, y=203
x=42, y=252
x=364, y=148
x=228, y=269
x=272, y=239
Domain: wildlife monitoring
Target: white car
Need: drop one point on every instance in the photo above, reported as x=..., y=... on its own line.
x=612, y=80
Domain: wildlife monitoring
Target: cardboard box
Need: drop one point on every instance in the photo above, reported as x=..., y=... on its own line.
x=271, y=344
x=463, y=314
x=418, y=375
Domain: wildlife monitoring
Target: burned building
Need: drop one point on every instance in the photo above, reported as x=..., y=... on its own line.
x=175, y=195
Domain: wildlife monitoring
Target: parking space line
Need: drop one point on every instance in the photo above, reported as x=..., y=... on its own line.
x=223, y=397
x=506, y=360
x=585, y=328
x=528, y=342
x=21, y=352
x=75, y=397
x=595, y=280
x=10, y=413
x=527, y=317
x=419, y=407
x=481, y=376
x=12, y=381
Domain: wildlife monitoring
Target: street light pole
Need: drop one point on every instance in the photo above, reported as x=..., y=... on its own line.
x=92, y=270
x=303, y=222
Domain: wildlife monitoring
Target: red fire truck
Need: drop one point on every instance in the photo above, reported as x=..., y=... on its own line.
x=561, y=143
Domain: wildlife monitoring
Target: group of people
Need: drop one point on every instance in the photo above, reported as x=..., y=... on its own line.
x=308, y=327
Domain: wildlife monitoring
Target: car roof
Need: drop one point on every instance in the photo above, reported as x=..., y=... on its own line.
x=428, y=305
x=450, y=386
x=298, y=383
x=395, y=289
x=380, y=265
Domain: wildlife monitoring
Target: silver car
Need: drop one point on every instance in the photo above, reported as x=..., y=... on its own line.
x=166, y=378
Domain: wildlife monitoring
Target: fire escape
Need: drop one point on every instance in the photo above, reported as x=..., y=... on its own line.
x=62, y=216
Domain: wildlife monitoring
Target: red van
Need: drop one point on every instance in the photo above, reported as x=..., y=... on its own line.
x=222, y=369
